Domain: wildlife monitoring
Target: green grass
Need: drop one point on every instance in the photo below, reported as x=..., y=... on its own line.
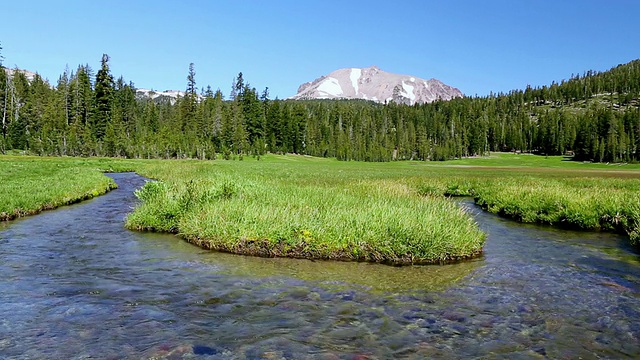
x=298, y=206
x=525, y=160
x=303, y=209
x=29, y=185
x=596, y=204
x=592, y=204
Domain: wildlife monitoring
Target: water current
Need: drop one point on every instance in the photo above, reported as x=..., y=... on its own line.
x=75, y=284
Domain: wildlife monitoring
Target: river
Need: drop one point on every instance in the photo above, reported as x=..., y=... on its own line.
x=75, y=284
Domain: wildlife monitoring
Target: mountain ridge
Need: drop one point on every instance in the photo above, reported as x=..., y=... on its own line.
x=28, y=74
x=377, y=85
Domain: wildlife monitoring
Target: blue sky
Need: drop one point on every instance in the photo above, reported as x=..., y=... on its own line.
x=477, y=46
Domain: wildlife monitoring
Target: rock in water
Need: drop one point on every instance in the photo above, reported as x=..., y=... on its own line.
x=203, y=350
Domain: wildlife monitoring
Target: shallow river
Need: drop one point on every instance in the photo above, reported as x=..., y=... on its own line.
x=75, y=284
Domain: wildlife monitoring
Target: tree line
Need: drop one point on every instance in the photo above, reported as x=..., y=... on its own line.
x=595, y=116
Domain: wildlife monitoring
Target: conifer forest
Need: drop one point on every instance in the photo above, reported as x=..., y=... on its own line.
x=594, y=116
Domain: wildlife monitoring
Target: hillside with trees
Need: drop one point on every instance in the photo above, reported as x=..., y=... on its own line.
x=595, y=116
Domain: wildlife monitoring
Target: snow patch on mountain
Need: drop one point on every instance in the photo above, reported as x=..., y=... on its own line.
x=355, y=76
x=408, y=91
x=376, y=85
x=330, y=87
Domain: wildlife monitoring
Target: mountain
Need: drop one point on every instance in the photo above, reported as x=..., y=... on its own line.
x=160, y=96
x=170, y=95
x=376, y=85
x=28, y=74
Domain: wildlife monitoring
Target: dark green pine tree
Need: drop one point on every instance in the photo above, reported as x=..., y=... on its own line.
x=103, y=99
x=191, y=81
x=189, y=102
x=18, y=112
x=236, y=87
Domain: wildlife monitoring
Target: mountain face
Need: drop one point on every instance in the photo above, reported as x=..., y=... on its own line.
x=376, y=85
x=170, y=96
x=28, y=74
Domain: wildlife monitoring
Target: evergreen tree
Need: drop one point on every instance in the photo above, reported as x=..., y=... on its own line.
x=18, y=122
x=103, y=99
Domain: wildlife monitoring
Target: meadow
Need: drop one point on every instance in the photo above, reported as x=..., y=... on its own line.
x=299, y=206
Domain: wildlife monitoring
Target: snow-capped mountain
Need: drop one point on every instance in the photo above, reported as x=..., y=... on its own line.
x=170, y=95
x=377, y=85
x=160, y=96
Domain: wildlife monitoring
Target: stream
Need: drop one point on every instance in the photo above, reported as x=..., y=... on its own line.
x=75, y=284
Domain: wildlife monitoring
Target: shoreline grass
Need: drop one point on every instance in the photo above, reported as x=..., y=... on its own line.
x=590, y=204
x=31, y=185
x=585, y=205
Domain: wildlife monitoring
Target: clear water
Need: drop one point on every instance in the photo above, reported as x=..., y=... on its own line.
x=75, y=284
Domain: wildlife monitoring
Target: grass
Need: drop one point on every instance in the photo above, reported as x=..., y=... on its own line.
x=597, y=204
x=29, y=185
x=261, y=208
x=526, y=160
x=297, y=206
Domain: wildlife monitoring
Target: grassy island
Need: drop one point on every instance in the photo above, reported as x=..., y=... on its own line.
x=315, y=208
x=252, y=210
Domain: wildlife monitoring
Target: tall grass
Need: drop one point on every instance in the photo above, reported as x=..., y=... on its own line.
x=377, y=221
x=589, y=204
x=595, y=204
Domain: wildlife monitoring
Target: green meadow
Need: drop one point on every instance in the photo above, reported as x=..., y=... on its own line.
x=317, y=208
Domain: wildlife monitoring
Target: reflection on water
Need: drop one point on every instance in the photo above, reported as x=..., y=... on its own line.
x=75, y=284
x=372, y=277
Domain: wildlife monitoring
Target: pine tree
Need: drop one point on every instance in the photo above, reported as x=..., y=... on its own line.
x=18, y=112
x=236, y=87
x=103, y=99
x=191, y=81
x=188, y=104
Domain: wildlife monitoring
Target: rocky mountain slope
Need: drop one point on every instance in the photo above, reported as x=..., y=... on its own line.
x=170, y=95
x=376, y=85
x=28, y=74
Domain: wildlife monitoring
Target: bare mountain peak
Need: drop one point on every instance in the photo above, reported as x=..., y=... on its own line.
x=374, y=84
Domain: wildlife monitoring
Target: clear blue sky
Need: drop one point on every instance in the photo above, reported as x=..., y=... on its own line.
x=477, y=46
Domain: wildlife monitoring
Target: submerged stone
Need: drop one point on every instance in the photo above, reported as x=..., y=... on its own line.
x=204, y=350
